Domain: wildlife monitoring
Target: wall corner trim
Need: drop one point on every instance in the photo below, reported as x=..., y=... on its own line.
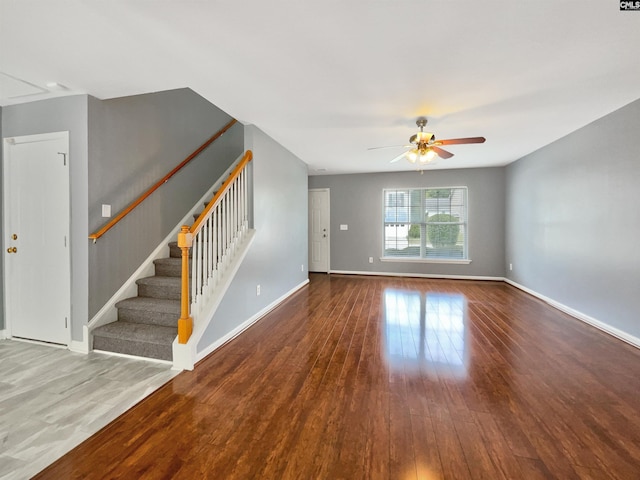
x=81, y=346
x=605, y=327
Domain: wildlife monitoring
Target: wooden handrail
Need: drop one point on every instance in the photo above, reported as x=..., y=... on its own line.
x=246, y=158
x=96, y=235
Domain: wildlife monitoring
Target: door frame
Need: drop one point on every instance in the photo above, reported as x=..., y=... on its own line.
x=328, y=190
x=7, y=142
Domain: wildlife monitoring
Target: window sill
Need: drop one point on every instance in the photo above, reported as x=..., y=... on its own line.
x=455, y=261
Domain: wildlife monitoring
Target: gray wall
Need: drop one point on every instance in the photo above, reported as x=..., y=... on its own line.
x=573, y=223
x=56, y=115
x=280, y=247
x=356, y=200
x=133, y=143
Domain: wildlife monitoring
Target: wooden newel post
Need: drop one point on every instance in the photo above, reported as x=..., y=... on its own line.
x=185, y=323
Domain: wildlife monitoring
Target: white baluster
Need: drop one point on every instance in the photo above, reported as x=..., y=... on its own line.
x=210, y=250
x=214, y=247
x=235, y=213
x=219, y=237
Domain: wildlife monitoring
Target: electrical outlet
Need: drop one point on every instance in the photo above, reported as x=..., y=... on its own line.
x=258, y=290
x=510, y=266
x=302, y=267
x=370, y=259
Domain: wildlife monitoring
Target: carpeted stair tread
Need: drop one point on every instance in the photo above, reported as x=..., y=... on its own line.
x=159, y=280
x=169, y=267
x=160, y=305
x=141, y=332
x=151, y=311
x=139, y=339
x=160, y=287
x=148, y=310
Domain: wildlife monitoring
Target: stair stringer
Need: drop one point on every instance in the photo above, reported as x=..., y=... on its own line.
x=109, y=313
x=185, y=355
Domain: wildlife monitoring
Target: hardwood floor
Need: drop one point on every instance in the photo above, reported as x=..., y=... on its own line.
x=377, y=377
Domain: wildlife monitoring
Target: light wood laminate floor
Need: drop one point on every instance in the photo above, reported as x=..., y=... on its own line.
x=388, y=378
x=52, y=399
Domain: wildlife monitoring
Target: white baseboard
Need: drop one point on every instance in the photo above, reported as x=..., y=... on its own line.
x=37, y=342
x=605, y=327
x=78, y=347
x=417, y=275
x=247, y=323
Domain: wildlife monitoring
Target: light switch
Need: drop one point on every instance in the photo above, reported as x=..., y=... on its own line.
x=106, y=210
x=344, y=227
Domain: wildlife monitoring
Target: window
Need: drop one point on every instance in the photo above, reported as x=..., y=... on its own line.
x=426, y=224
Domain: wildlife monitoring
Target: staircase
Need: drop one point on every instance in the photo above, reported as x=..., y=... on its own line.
x=147, y=324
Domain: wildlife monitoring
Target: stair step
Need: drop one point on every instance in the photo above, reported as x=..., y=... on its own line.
x=169, y=267
x=150, y=311
x=150, y=341
x=175, y=251
x=160, y=287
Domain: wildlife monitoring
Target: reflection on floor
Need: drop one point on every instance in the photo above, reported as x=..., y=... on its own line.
x=52, y=399
x=426, y=331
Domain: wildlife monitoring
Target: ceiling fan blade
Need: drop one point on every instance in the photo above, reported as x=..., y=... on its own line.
x=398, y=158
x=442, y=153
x=390, y=146
x=460, y=141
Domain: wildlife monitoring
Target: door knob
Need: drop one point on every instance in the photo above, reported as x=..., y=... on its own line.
x=12, y=250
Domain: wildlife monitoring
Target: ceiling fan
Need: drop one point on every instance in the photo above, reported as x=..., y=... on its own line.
x=424, y=146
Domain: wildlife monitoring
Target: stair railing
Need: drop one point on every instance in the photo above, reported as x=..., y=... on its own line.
x=212, y=239
x=96, y=235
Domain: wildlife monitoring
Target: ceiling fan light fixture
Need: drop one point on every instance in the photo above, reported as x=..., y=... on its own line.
x=424, y=148
x=427, y=156
x=412, y=155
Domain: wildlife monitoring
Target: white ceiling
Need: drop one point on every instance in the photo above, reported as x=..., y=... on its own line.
x=329, y=79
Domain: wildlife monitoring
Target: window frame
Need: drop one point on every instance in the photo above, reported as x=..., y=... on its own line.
x=423, y=259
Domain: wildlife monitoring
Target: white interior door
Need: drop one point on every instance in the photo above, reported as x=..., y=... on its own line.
x=319, y=234
x=36, y=230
